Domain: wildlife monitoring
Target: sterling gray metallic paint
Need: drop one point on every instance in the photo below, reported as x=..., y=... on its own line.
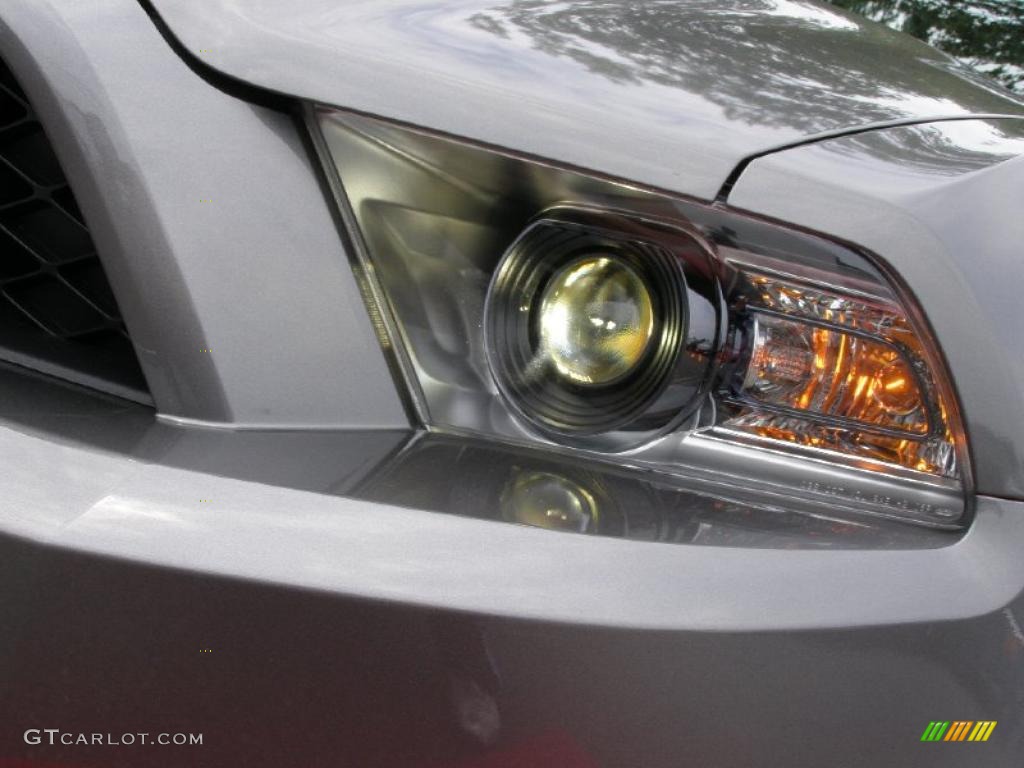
x=342, y=627
x=113, y=571
x=258, y=274
x=670, y=94
x=281, y=518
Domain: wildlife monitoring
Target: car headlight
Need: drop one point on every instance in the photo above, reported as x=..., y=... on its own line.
x=540, y=305
x=583, y=330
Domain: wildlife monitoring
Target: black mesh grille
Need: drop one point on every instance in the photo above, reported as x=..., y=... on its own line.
x=57, y=311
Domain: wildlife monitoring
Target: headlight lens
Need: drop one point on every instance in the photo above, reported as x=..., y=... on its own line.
x=582, y=330
x=543, y=306
x=595, y=321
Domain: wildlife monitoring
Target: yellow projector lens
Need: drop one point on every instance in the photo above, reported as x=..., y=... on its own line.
x=596, y=320
x=584, y=333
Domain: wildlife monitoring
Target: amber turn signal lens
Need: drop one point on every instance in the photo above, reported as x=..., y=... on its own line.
x=840, y=372
x=828, y=372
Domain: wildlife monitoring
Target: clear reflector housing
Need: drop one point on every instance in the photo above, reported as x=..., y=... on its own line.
x=828, y=373
x=843, y=373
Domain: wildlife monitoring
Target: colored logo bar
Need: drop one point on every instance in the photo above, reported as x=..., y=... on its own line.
x=958, y=730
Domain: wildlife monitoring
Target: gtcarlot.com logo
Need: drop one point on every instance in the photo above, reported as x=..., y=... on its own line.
x=54, y=736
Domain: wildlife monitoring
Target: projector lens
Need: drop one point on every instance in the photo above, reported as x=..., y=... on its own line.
x=584, y=329
x=596, y=320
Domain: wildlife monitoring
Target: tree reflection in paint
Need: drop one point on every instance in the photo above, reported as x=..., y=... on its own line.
x=793, y=63
x=985, y=34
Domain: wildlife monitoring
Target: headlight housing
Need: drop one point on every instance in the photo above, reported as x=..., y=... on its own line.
x=544, y=306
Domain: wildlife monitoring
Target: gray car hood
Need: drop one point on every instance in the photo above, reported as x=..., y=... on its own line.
x=670, y=94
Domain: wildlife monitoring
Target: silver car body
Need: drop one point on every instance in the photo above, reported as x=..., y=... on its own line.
x=756, y=653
